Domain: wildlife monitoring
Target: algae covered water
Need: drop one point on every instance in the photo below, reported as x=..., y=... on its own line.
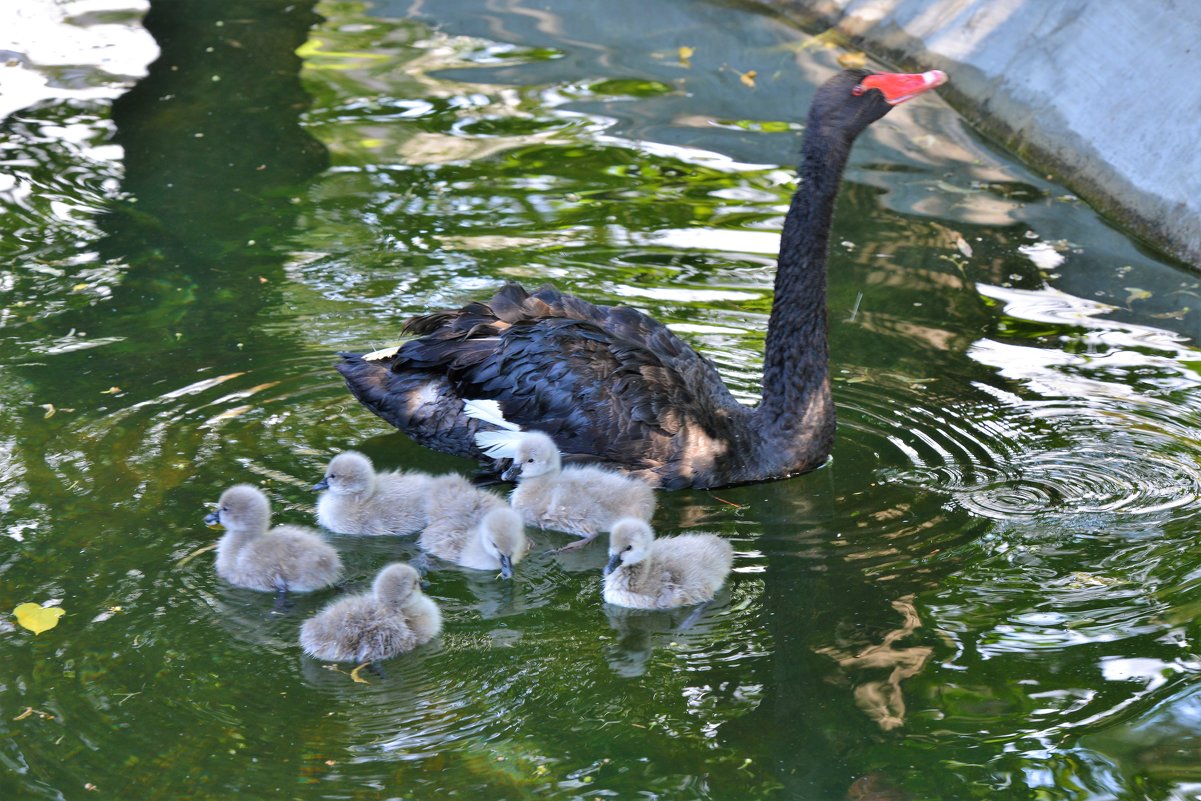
x=990, y=591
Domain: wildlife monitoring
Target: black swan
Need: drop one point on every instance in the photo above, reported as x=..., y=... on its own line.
x=610, y=384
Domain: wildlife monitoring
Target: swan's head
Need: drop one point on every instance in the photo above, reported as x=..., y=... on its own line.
x=242, y=508
x=536, y=455
x=349, y=473
x=629, y=541
x=854, y=99
x=396, y=584
x=503, y=534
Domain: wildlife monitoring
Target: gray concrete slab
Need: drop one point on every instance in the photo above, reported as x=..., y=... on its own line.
x=1104, y=94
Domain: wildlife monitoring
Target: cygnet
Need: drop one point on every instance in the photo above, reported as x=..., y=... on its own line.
x=285, y=558
x=359, y=500
x=648, y=573
x=394, y=617
x=473, y=527
x=583, y=500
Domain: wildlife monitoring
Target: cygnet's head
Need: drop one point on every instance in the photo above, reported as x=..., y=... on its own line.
x=536, y=455
x=629, y=539
x=395, y=584
x=242, y=507
x=349, y=473
x=503, y=534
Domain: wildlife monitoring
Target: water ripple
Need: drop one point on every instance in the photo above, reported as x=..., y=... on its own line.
x=1106, y=428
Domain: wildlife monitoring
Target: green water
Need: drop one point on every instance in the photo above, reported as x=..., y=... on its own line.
x=990, y=592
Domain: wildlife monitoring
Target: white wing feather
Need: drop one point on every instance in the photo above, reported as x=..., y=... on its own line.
x=489, y=412
x=498, y=444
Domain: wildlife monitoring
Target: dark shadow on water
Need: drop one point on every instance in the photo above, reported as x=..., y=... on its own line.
x=214, y=155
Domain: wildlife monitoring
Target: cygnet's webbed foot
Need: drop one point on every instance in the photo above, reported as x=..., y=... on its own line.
x=374, y=668
x=491, y=473
x=575, y=546
x=421, y=563
x=282, y=604
x=696, y=614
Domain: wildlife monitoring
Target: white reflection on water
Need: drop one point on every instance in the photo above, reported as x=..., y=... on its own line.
x=76, y=49
x=1097, y=419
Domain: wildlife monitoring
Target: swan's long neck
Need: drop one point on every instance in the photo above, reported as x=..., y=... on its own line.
x=797, y=413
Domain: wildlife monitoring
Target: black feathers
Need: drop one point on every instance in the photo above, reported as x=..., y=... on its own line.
x=608, y=384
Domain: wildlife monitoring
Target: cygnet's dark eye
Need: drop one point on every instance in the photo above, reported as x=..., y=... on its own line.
x=530, y=460
x=629, y=547
x=330, y=477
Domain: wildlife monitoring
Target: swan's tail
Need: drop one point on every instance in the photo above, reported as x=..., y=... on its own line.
x=500, y=444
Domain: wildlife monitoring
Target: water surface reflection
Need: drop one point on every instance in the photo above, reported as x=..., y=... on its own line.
x=990, y=590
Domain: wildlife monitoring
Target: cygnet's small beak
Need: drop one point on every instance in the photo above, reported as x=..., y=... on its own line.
x=506, y=567
x=614, y=563
x=212, y=519
x=323, y=484
x=512, y=473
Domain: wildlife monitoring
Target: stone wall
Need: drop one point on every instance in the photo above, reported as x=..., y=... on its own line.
x=1105, y=95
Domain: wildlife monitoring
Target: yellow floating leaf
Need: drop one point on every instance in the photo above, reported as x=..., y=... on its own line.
x=684, y=54
x=79, y=287
x=852, y=61
x=50, y=410
x=748, y=78
x=1136, y=294
x=38, y=618
x=354, y=674
x=199, y=551
x=110, y=391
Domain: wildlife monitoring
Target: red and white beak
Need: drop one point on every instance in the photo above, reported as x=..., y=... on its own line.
x=897, y=87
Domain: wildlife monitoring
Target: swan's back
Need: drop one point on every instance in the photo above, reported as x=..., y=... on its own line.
x=599, y=380
x=698, y=562
x=583, y=499
x=660, y=573
x=456, y=508
x=293, y=557
x=394, y=617
x=286, y=557
x=396, y=505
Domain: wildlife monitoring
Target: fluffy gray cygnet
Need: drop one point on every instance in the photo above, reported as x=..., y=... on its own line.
x=473, y=527
x=281, y=559
x=358, y=500
x=583, y=500
x=648, y=573
x=393, y=618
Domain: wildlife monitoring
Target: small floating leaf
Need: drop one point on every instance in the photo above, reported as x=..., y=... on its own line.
x=963, y=246
x=685, y=53
x=1136, y=294
x=110, y=391
x=354, y=674
x=31, y=711
x=748, y=78
x=852, y=61
x=199, y=551
x=38, y=618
